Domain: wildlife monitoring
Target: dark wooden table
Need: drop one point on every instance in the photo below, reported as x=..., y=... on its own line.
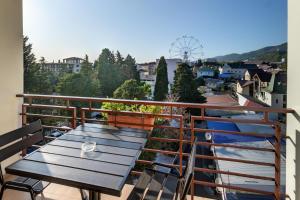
x=103, y=171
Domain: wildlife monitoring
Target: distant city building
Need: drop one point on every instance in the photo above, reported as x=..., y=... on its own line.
x=76, y=62
x=72, y=64
x=237, y=70
x=205, y=72
x=147, y=74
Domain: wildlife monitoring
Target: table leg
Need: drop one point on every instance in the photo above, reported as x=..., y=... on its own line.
x=90, y=195
x=94, y=195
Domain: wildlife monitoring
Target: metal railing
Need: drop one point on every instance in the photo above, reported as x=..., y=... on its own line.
x=186, y=130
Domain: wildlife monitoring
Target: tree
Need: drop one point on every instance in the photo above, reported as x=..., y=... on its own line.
x=185, y=85
x=161, y=84
x=86, y=66
x=78, y=85
x=119, y=58
x=132, y=89
x=113, y=70
x=109, y=73
x=129, y=69
x=200, y=81
x=36, y=79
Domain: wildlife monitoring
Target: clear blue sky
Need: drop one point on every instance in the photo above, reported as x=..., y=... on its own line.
x=146, y=28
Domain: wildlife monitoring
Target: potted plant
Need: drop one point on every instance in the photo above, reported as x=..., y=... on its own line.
x=131, y=89
x=126, y=120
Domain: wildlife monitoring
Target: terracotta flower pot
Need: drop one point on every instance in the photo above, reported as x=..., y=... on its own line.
x=122, y=120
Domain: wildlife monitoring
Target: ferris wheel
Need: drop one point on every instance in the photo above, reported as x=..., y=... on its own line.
x=187, y=48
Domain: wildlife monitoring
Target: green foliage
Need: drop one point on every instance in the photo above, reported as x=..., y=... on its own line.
x=77, y=85
x=132, y=108
x=185, y=86
x=132, y=89
x=161, y=84
x=129, y=69
x=199, y=82
x=36, y=79
x=114, y=70
x=84, y=83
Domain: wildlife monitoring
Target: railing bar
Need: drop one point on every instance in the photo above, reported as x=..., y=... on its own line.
x=233, y=174
x=209, y=184
x=235, y=133
x=235, y=160
x=42, y=115
x=235, y=146
x=164, y=151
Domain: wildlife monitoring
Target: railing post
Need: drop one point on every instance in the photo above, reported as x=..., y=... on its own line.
x=192, y=141
x=277, y=160
x=24, y=116
x=74, y=118
x=180, y=144
x=82, y=117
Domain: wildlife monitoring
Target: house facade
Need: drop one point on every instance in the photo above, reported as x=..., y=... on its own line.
x=237, y=70
x=205, y=72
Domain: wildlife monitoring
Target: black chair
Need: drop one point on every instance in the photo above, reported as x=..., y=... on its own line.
x=13, y=143
x=173, y=186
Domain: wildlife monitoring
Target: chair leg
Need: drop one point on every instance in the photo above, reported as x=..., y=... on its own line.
x=32, y=195
x=42, y=196
x=2, y=191
x=82, y=193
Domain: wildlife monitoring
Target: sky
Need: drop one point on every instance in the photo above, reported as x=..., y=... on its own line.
x=146, y=28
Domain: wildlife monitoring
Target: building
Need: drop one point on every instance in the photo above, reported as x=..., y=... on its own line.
x=58, y=67
x=147, y=72
x=72, y=64
x=245, y=87
x=237, y=70
x=75, y=62
x=251, y=72
x=205, y=72
x=271, y=89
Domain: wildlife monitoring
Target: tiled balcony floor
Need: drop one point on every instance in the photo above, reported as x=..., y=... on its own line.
x=60, y=192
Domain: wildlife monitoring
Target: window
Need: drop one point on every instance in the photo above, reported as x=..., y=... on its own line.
x=276, y=101
x=284, y=97
x=284, y=105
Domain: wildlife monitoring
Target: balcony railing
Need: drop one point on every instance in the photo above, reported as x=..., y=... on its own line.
x=35, y=106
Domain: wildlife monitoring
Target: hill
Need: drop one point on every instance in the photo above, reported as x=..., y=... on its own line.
x=267, y=54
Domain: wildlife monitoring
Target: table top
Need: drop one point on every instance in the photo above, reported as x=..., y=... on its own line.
x=104, y=170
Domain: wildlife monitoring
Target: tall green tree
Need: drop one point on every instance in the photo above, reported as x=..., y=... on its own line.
x=119, y=58
x=109, y=73
x=185, y=86
x=36, y=79
x=86, y=66
x=129, y=69
x=161, y=84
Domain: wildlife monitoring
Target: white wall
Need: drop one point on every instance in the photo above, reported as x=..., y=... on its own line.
x=293, y=101
x=11, y=67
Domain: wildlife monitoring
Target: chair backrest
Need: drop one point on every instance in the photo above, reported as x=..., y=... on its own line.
x=19, y=139
x=188, y=173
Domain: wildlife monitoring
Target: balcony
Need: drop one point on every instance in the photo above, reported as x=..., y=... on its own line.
x=219, y=165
